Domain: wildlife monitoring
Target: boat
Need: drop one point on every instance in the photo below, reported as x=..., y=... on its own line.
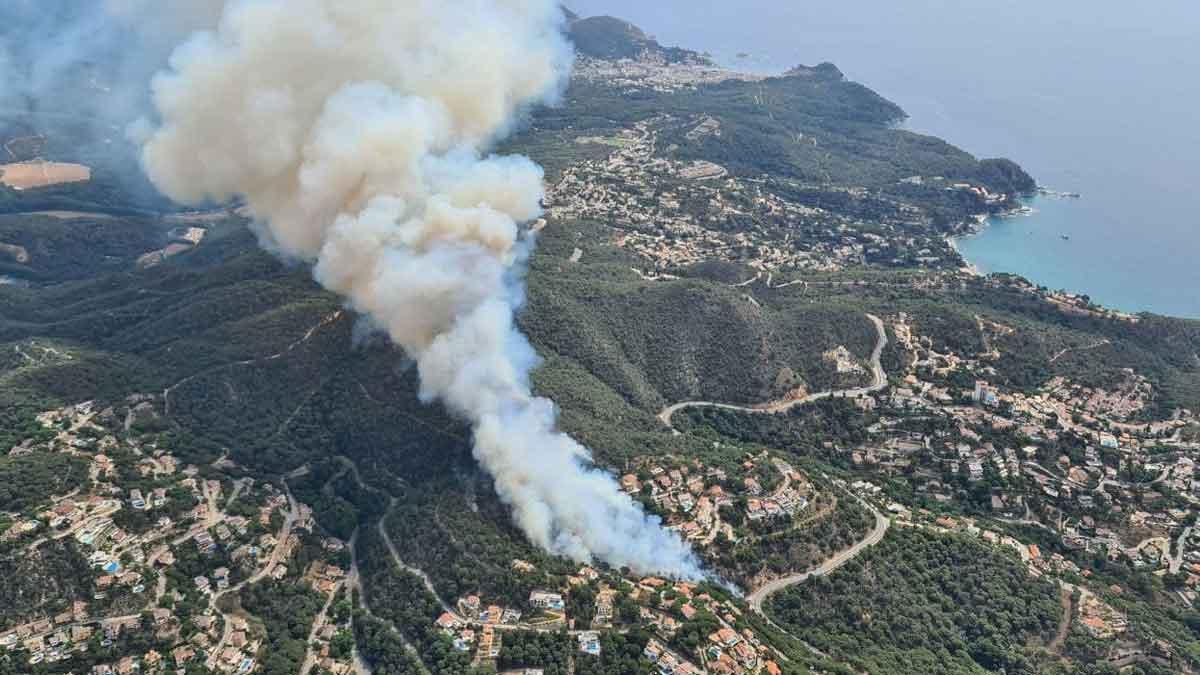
x=1066, y=237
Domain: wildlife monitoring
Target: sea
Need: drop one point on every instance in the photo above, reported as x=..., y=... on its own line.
x=1095, y=97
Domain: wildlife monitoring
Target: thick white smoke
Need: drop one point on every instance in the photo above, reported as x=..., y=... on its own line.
x=354, y=131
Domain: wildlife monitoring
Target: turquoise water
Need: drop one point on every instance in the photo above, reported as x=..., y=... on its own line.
x=1097, y=97
x=1068, y=244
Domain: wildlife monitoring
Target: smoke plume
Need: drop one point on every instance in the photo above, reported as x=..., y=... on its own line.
x=355, y=130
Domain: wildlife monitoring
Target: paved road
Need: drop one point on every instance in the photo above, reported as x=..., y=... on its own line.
x=361, y=667
x=66, y=215
x=879, y=382
x=90, y=520
x=354, y=580
x=276, y=553
x=1031, y=467
x=759, y=596
x=310, y=657
x=420, y=574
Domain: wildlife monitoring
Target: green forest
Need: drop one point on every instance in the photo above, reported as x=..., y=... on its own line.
x=399, y=598
x=43, y=581
x=287, y=612
x=928, y=603
x=249, y=359
x=26, y=480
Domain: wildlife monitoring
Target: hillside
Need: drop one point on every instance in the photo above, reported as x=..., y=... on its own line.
x=709, y=237
x=938, y=604
x=617, y=347
x=606, y=37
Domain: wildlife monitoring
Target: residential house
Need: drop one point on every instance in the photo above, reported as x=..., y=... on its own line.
x=448, y=623
x=546, y=600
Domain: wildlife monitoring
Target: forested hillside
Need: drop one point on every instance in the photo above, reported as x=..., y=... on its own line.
x=606, y=37
x=821, y=215
x=928, y=603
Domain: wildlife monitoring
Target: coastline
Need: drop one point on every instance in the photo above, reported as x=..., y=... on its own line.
x=983, y=222
x=1068, y=300
x=968, y=267
x=972, y=230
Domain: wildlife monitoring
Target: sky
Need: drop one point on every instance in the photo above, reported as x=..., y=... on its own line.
x=1097, y=97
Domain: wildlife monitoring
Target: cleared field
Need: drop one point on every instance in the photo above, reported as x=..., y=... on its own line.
x=200, y=216
x=30, y=175
x=67, y=215
x=153, y=258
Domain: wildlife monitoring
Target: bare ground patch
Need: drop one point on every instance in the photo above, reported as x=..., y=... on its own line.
x=31, y=175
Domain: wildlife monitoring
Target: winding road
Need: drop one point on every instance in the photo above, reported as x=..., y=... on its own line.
x=879, y=382
x=760, y=595
x=289, y=522
x=415, y=571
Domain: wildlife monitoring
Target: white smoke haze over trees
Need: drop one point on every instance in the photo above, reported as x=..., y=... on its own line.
x=355, y=130
x=48, y=48
x=76, y=72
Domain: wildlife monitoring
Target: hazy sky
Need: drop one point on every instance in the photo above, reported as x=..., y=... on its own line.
x=1095, y=96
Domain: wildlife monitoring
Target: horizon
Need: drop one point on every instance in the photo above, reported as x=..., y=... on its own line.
x=1085, y=101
